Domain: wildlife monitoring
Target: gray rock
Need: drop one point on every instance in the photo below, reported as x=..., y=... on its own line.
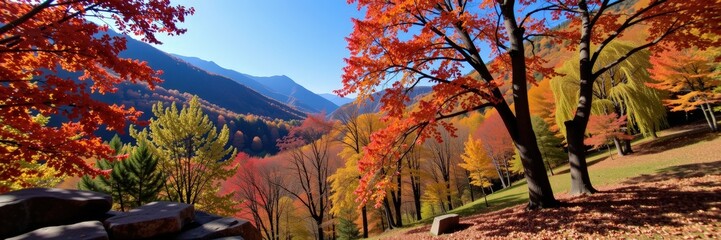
x=33, y=208
x=204, y=217
x=444, y=223
x=90, y=230
x=154, y=219
x=224, y=227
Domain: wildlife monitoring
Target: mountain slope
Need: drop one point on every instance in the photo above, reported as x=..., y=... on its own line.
x=368, y=106
x=300, y=98
x=340, y=101
x=297, y=93
x=180, y=77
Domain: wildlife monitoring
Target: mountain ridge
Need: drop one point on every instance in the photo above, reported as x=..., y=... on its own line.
x=279, y=87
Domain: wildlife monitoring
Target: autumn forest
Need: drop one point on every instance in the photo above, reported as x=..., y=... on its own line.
x=552, y=119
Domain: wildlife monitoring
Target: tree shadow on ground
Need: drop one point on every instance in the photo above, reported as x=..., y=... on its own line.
x=680, y=171
x=693, y=134
x=617, y=210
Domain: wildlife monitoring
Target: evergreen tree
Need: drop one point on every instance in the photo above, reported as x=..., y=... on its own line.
x=347, y=230
x=548, y=144
x=116, y=183
x=146, y=180
x=192, y=155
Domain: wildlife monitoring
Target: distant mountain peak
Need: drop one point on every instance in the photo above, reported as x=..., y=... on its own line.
x=279, y=87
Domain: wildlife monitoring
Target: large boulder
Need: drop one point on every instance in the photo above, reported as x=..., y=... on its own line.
x=29, y=209
x=156, y=219
x=444, y=223
x=223, y=227
x=90, y=230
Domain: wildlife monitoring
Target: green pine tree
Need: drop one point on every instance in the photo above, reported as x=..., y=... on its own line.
x=347, y=230
x=146, y=180
x=116, y=183
x=549, y=145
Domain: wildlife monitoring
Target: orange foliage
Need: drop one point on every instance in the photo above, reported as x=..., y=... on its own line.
x=604, y=128
x=402, y=43
x=690, y=75
x=41, y=39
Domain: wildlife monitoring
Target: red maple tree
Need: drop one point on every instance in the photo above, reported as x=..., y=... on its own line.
x=403, y=43
x=41, y=40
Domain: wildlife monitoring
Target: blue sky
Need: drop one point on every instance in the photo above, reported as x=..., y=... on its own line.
x=302, y=39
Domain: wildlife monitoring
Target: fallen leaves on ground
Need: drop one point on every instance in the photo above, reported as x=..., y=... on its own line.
x=675, y=208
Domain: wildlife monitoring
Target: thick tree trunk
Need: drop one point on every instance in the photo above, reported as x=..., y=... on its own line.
x=364, y=216
x=539, y=188
x=627, y=146
x=576, y=128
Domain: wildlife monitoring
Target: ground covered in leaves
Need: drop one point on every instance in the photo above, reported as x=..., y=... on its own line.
x=687, y=208
x=679, y=202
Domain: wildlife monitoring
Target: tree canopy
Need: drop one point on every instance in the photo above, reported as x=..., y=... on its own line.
x=41, y=39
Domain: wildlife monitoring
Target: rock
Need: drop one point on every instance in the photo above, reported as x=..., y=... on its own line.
x=90, y=230
x=442, y=224
x=154, y=219
x=33, y=208
x=230, y=238
x=223, y=227
x=203, y=218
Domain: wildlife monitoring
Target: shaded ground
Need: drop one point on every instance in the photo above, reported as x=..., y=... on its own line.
x=670, y=188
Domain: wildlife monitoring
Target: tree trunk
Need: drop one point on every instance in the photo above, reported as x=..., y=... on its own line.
x=389, y=213
x=484, y=195
x=619, y=147
x=320, y=231
x=417, y=202
x=521, y=130
x=500, y=175
x=627, y=145
x=448, y=195
x=470, y=187
x=714, y=123
x=576, y=128
x=549, y=167
x=396, y=199
x=508, y=172
x=364, y=216
x=416, y=189
x=708, y=118
x=580, y=181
